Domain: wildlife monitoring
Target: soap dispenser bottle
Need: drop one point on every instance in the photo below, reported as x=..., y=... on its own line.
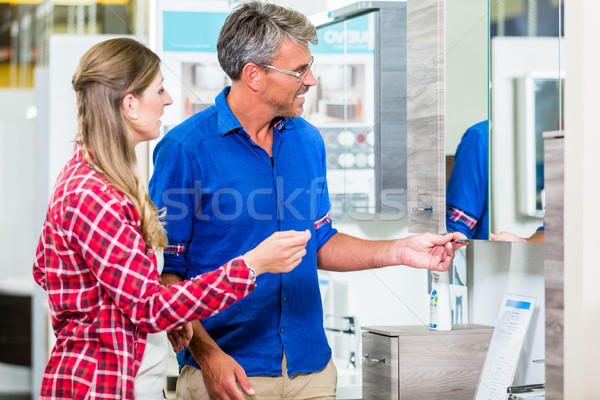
x=440, y=317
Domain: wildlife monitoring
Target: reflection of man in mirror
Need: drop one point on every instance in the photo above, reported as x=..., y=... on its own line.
x=230, y=176
x=467, y=191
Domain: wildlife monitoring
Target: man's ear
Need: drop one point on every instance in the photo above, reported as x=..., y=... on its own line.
x=130, y=103
x=252, y=76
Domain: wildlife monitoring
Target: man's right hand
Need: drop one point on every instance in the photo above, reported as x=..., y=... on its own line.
x=221, y=374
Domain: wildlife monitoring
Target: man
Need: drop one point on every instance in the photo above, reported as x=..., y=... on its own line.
x=231, y=175
x=467, y=191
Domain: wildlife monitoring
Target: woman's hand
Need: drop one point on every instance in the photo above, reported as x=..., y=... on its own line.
x=280, y=252
x=180, y=337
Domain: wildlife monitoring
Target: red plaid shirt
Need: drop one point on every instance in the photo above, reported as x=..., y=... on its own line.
x=104, y=292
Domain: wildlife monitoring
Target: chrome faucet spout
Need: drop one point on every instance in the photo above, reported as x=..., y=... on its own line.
x=352, y=361
x=350, y=328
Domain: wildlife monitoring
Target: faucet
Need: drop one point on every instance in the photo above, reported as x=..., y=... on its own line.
x=352, y=360
x=349, y=330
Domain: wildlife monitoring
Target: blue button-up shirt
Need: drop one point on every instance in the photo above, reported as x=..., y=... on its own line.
x=467, y=191
x=224, y=195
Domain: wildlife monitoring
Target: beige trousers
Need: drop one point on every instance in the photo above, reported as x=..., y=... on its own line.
x=319, y=385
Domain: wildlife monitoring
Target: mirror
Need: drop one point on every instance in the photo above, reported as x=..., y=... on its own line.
x=342, y=107
x=466, y=105
x=359, y=106
x=526, y=99
x=521, y=87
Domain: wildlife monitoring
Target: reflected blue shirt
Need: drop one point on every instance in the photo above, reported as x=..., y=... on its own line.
x=224, y=195
x=468, y=186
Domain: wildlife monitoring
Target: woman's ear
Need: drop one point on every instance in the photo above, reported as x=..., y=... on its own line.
x=252, y=75
x=130, y=104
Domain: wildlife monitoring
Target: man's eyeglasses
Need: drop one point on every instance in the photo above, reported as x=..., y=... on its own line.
x=298, y=75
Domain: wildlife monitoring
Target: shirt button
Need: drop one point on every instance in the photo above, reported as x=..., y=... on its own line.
x=284, y=298
x=281, y=330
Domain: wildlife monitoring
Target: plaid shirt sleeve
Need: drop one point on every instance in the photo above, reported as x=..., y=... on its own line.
x=103, y=229
x=455, y=214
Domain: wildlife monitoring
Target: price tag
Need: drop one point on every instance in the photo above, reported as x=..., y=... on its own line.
x=503, y=354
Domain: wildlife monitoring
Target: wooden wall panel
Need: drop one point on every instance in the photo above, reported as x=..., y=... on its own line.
x=554, y=265
x=426, y=116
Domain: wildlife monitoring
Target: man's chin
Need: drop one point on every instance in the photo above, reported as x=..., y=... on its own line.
x=292, y=114
x=298, y=112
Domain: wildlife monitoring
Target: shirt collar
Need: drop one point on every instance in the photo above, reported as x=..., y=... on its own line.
x=78, y=154
x=228, y=122
x=281, y=123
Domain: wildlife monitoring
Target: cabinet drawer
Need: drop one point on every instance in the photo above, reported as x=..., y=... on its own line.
x=441, y=366
x=414, y=362
x=379, y=366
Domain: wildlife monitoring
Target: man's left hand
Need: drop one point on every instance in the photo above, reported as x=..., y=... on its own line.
x=430, y=251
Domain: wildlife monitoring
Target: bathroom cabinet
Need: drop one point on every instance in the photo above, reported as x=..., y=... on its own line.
x=414, y=362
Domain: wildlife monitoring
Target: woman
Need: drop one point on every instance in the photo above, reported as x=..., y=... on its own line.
x=96, y=258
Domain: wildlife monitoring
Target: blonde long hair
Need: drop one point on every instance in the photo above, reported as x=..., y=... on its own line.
x=106, y=74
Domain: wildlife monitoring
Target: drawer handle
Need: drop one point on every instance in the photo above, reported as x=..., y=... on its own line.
x=378, y=360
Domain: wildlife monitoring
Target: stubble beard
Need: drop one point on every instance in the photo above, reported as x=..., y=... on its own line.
x=289, y=110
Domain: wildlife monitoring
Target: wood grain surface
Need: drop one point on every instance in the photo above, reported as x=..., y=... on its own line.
x=431, y=364
x=426, y=116
x=554, y=266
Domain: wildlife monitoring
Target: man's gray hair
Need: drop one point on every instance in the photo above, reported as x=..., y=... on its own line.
x=255, y=31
